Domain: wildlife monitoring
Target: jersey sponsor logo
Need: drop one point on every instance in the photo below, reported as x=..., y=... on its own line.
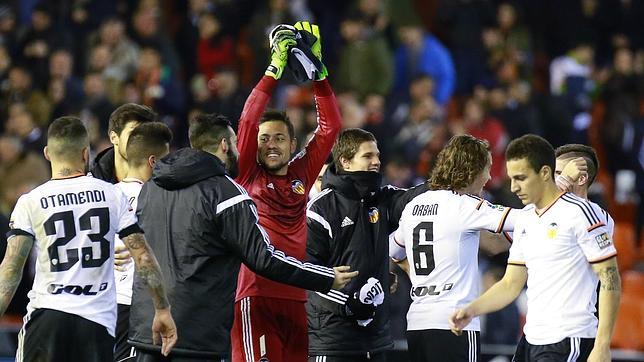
x=430, y=290
x=552, y=230
x=424, y=210
x=374, y=215
x=346, y=222
x=88, y=289
x=603, y=240
x=298, y=187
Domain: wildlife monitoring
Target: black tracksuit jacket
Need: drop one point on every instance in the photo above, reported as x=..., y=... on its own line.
x=349, y=224
x=201, y=225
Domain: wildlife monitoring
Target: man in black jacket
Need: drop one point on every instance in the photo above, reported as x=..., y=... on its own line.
x=349, y=222
x=201, y=224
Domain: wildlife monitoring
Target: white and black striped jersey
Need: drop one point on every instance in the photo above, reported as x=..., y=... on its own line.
x=558, y=246
x=439, y=235
x=73, y=222
x=124, y=279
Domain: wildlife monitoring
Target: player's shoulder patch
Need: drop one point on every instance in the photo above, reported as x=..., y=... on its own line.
x=603, y=240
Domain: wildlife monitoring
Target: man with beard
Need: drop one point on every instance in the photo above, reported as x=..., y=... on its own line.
x=72, y=220
x=202, y=224
x=270, y=318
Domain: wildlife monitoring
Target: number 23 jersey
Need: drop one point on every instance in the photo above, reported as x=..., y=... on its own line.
x=439, y=236
x=73, y=222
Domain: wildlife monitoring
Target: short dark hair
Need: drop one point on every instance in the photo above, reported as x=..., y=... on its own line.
x=273, y=115
x=66, y=137
x=130, y=112
x=145, y=140
x=459, y=163
x=348, y=143
x=578, y=150
x=207, y=130
x=533, y=148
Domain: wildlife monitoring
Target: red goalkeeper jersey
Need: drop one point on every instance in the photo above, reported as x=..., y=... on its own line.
x=281, y=200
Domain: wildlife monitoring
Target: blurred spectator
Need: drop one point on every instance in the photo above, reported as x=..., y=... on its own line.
x=418, y=130
x=419, y=87
x=20, y=171
x=576, y=64
x=158, y=85
x=399, y=172
x=187, y=36
x=515, y=108
x=21, y=124
x=460, y=20
x=215, y=49
x=149, y=34
x=515, y=37
x=118, y=53
x=268, y=15
x=8, y=33
x=97, y=105
x=422, y=53
x=366, y=65
x=222, y=94
x=20, y=90
x=476, y=123
x=61, y=66
x=39, y=41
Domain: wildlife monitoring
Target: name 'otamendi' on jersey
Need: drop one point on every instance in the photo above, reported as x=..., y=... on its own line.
x=439, y=235
x=74, y=235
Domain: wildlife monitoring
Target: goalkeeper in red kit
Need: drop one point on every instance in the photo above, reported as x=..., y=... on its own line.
x=270, y=318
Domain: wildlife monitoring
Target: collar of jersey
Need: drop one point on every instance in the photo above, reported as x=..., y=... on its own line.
x=549, y=206
x=68, y=177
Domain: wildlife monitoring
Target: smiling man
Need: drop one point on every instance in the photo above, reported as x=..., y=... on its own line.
x=270, y=319
x=561, y=249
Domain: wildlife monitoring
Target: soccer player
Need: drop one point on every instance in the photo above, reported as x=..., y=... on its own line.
x=349, y=222
x=111, y=165
x=147, y=143
x=72, y=219
x=571, y=153
x=439, y=237
x=201, y=224
x=270, y=317
x=561, y=249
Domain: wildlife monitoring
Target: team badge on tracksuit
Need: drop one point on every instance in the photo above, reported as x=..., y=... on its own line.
x=298, y=187
x=374, y=215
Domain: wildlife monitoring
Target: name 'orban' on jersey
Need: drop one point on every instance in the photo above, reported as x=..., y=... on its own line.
x=72, y=198
x=425, y=210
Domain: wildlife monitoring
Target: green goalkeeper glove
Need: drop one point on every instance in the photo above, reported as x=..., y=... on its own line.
x=281, y=39
x=311, y=34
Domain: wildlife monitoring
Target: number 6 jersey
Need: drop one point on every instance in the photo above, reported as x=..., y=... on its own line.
x=73, y=222
x=439, y=236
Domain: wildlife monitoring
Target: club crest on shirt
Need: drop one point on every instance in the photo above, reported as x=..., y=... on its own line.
x=374, y=215
x=603, y=240
x=552, y=230
x=298, y=187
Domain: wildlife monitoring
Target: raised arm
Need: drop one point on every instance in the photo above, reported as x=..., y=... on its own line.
x=18, y=249
x=147, y=268
x=610, y=292
x=498, y=296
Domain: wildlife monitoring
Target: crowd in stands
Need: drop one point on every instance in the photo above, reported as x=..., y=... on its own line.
x=413, y=72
